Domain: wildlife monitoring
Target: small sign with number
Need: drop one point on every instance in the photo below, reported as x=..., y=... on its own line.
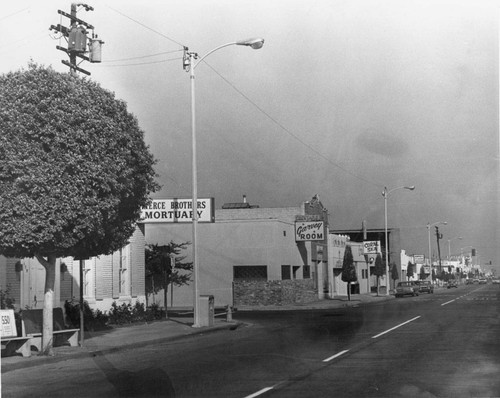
x=8, y=323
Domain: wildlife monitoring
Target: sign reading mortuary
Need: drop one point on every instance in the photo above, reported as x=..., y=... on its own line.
x=178, y=211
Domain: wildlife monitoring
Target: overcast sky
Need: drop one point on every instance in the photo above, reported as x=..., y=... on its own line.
x=344, y=99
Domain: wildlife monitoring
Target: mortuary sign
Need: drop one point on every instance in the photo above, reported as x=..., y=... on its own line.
x=177, y=211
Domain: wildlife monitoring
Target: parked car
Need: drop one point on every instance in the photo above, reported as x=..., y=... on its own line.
x=482, y=281
x=468, y=281
x=425, y=287
x=495, y=281
x=407, y=288
x=452, y=283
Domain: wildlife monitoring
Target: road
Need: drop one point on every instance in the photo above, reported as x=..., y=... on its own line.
x=438, y=345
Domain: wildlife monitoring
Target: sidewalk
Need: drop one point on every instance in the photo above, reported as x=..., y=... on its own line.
x=178, y=326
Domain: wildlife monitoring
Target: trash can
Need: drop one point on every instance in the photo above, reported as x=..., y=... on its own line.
x=207, y=310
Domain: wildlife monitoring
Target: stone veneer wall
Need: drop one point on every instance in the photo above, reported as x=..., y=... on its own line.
x=277, y=292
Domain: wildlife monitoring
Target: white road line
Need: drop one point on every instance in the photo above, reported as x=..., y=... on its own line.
x=448, y=302
x=335, y=356
x=395, y=327
x=259, y=392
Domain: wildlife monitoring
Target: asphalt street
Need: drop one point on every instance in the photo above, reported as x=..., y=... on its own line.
x=437, y=345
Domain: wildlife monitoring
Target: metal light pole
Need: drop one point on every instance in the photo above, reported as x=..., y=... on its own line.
x=449, y=246
x=385, y=194
x=430, y=249
x=190, y=63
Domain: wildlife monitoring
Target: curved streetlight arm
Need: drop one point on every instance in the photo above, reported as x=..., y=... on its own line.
x=254, y=43
x=385, y=192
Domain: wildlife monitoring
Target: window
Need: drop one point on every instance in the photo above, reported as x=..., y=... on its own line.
x=88, y=278
x=306, y=272
x=364, y=274
x=250, y=272
x=123, y=272
x=285, y=272
x=295, y=268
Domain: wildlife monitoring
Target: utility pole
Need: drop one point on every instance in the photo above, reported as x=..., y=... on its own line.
x=438, y=237
x=76, y=37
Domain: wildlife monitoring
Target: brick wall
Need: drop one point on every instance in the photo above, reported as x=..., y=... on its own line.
x=277, y=292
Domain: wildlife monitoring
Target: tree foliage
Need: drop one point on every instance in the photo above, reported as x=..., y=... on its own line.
x=348, y=268
x=74, y=172
x=379, y=268
x=394, y=272
x=160, y=272
x=409, y=270
x=74, y=168
x=423, y=275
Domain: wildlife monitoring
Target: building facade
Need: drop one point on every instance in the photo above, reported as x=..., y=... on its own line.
x=247, y=243
x=117, y=277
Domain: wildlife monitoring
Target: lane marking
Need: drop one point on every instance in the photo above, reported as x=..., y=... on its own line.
x=448, y=302
x=259, y=392
x=335, y=356
x=395, y=327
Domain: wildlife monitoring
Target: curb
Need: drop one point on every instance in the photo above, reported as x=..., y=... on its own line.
x=83, y=352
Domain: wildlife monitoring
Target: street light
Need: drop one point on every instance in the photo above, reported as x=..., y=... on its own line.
x=191, y=61
x=449, y=246
x=429, y=232
x=385, y=194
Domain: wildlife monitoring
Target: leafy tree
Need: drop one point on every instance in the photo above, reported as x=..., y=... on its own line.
x=348, y=270
x=394, y=273
x=74, y=172
x=160, y=272
x=410, y=270
x=423, y=275
x=378, y=271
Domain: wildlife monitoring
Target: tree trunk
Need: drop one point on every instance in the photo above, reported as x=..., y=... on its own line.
x=348, y=291
x=48, y=304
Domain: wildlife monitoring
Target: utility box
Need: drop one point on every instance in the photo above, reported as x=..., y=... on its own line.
x=77, y=41
x=207, y=310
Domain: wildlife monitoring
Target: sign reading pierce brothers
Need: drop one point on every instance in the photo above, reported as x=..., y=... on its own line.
x=178, y=211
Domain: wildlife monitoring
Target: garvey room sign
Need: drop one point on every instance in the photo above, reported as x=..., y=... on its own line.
x=309, y=230
x=177, y=211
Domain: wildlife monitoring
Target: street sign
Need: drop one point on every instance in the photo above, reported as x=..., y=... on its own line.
x=372, y=247
x=8, y=322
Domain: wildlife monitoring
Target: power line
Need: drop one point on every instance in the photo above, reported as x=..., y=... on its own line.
x=142, y=57
x=14, y=13
x=147, y=27
x=286, y=130
x=143, y=63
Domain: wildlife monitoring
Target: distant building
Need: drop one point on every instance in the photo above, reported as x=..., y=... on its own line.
x=251, y=255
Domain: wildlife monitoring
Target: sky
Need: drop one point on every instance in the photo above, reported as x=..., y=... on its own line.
x=344, y=99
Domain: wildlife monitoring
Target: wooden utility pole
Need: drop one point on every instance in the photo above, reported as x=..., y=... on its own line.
x=76, y=36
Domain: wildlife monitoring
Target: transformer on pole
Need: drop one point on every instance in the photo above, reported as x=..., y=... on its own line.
x=78, y=43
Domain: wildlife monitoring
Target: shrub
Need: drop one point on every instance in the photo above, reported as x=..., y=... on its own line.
x=92, y=319
x=6, y=302
x=126, y=313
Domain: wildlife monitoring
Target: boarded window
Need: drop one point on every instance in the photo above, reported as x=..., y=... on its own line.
x=250, y=272
x=285, y=272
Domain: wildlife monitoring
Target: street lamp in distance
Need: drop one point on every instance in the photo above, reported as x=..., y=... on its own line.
x=385, y=194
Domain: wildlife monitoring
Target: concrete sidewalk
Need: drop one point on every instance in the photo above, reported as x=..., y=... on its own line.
x=178, y=326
